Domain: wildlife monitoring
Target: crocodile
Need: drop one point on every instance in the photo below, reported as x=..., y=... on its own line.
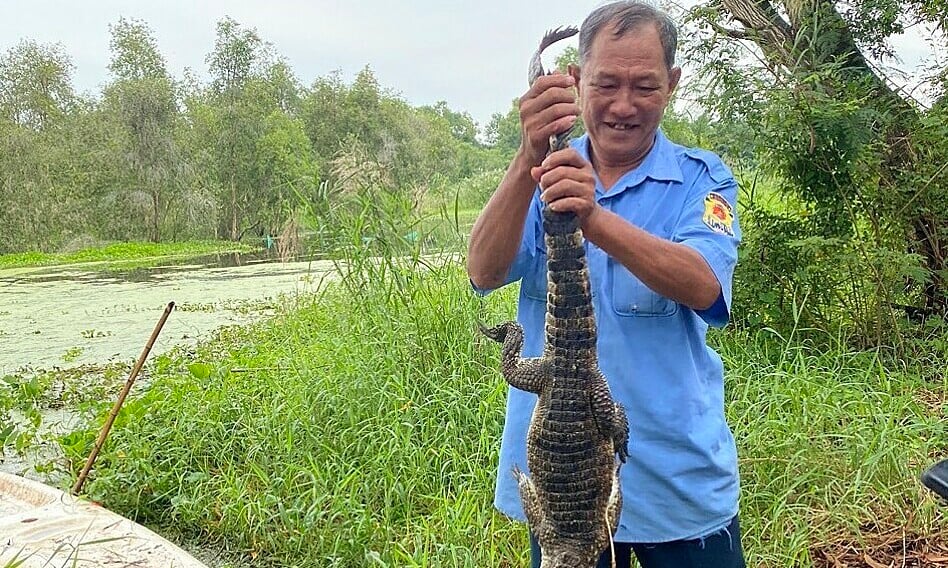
x=572, y=497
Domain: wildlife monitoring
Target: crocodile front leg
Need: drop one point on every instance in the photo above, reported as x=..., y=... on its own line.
x=528, y=375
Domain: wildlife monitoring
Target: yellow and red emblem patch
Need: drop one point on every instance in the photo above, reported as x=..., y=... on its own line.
x=718, y=215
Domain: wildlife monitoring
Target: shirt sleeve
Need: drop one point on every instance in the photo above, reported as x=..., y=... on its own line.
x=709, y=225
x=531, y=247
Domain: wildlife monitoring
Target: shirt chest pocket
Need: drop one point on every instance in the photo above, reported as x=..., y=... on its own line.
x=632, y=298
x=534, y=283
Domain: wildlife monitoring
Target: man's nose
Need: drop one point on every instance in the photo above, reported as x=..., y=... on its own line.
x=624, y=104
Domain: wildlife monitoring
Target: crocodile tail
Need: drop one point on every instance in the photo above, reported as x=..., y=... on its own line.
x=551, y=37
x=557, y=34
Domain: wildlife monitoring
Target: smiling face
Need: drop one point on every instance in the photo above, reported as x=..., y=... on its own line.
x=624, y=87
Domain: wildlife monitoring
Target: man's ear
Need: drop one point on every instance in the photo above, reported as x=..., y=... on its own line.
x=674, y=75
x=573, y=71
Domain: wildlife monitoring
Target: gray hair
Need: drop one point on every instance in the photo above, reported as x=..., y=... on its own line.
x=627, y=15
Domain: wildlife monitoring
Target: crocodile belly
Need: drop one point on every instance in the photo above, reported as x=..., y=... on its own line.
x=572, y=468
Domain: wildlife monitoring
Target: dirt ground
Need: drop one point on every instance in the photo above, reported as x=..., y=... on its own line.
x=892, y=549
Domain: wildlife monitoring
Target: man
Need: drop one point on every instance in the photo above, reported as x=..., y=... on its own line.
x=661, y=242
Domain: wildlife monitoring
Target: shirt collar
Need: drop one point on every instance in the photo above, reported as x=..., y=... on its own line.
x=661, y=164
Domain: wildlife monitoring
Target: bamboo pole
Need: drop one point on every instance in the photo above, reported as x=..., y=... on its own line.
x=103, y=434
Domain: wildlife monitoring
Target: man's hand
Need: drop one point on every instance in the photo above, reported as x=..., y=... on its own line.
x=568, y=184
x=548, y=108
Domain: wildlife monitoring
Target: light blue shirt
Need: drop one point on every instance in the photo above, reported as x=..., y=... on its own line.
x=681, y=478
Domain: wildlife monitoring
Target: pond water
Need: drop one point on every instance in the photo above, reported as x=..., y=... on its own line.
x=67, y=316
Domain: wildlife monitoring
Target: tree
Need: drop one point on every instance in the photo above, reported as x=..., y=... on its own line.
x=143, y=100
x=284, y=88
x=238, y=55
x=42, y=204
x=854, y=149
x=35, y=84
x=152, y=158
x=135, y=52
x=503, y=130
x=235, y=120
x=287, y=169
x=336, y=114
x=460, y=124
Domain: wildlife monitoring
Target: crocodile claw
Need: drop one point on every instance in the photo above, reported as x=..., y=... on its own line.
x=498, y=333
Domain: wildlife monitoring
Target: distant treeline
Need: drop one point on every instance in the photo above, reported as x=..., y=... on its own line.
x=158, y=158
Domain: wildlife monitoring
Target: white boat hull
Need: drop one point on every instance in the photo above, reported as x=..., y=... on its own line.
x=41, y=526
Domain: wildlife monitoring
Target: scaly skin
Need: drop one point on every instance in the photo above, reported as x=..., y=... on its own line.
x=572, y=499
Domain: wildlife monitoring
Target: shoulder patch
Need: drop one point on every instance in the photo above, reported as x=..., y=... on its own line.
x=717, y=170
x=718, y=214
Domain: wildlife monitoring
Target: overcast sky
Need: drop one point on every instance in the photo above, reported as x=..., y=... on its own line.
x=472, y=54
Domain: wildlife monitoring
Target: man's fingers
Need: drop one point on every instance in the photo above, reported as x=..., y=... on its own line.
x=550, y=120
x=569, y=186
x=576, y=205
x=547, y=109
x=531, y=106
x=561, y=124
x=549, y=178
x=549, y=97
x=548, y=105
x=556, y=112
x=536, y=172
x=539, y=139
x=562, y=189
x=566, y=163
x=545, y=82
x=564, y=157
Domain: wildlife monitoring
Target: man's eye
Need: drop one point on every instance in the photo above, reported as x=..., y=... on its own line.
x=606, y=86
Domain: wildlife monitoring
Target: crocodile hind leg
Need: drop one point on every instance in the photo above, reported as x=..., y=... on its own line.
x=525, y=374
x=610, y=417
x=620, y=432
x=531, y=504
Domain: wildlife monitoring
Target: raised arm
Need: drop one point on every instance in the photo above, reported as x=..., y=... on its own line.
x=549, y=107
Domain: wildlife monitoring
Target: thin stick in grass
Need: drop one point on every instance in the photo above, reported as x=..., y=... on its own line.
x=103, y=434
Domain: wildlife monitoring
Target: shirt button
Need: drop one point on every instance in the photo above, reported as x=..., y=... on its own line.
x=634, y=307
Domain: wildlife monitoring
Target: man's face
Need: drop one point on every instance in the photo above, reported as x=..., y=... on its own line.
x=624, y=88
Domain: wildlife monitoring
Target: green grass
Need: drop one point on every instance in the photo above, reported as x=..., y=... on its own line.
x=831, y=442
x=361, y=427
x=122, y=252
